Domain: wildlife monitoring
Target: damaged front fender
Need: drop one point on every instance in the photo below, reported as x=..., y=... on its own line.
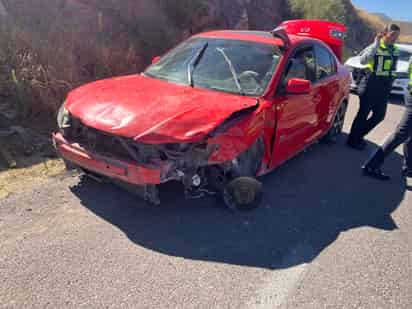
x=237, y=134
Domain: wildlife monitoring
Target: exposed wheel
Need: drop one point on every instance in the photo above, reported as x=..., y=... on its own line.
x=243, y=194
x=248, y=163
x=337, y=127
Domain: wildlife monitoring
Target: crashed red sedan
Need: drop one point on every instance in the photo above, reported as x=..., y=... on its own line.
x=220, y=106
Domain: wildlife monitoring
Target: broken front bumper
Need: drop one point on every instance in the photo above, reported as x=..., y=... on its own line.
x=113, y=168
x=144, y=178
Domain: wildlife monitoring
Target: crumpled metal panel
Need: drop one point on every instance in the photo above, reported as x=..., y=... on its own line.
x=153, y=111
x=238, y=138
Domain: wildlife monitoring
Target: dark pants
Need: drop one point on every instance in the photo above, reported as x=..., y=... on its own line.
x=375, y=100
x=402, y=135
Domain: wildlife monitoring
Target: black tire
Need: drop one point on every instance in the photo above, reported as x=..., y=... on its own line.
x=337, y=126
x=243, y=194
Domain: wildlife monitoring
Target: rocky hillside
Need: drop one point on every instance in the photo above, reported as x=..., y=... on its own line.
x=360, y=32
x=379, y=20
x=49, y=47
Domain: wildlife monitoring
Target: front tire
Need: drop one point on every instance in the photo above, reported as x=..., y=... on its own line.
x=243, y=194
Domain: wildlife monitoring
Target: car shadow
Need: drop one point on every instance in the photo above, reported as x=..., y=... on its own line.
x=397, y=100
x=308, y=202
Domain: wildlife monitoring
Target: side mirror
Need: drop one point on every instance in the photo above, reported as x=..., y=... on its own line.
x=298, y=86
x=155, y=59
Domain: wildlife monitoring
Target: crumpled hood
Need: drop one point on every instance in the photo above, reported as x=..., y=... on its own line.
x=152, y=111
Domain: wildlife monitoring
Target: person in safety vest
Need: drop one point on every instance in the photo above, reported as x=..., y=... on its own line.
x=402, y=134
x=381, y=60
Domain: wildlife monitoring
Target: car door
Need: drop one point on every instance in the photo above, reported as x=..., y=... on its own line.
x=296, y=114
x=326, y=89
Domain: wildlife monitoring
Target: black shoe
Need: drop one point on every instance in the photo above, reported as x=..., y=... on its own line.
x=407, y=172
x=361, y=145
x=375, y=173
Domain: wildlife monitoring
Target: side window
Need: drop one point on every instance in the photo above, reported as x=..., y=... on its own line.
x=302, y=65
x=325, y=65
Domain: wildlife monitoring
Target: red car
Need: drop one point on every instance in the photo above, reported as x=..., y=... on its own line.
x=219, y=107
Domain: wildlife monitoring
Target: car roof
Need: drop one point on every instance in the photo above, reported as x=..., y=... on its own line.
x=252, y=36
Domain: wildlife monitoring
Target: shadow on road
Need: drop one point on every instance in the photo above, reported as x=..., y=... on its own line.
x=308, y=203
x=397, y=100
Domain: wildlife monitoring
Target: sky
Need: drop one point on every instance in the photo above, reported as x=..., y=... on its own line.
x=395, y=9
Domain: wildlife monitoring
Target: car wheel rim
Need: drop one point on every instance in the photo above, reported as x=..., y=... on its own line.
x=339, y=120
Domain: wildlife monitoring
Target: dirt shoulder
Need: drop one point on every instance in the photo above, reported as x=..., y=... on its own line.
x=27, y=158
x=20, y=179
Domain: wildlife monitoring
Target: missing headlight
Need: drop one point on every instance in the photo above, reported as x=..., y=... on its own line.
x=63, y=119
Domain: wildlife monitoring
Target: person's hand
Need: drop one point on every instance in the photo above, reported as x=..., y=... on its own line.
x=379, y=36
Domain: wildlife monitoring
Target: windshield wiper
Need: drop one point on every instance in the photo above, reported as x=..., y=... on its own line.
x=232, y=70
x=194, y=62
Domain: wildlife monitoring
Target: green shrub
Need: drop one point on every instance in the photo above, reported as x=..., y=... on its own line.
x=332, y=10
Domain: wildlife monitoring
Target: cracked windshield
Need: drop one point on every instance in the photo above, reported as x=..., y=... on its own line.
x=226, y=65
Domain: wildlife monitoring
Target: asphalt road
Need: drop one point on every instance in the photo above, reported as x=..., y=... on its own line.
x=326, y=237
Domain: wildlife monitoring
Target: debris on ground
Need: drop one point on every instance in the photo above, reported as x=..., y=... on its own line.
x=26, y=157
x=18, y=143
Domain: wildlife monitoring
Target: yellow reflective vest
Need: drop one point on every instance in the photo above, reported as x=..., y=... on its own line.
x=385, y=61
x=410, y=72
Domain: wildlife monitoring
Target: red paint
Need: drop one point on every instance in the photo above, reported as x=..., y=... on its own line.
x=318, y=29
x=156, y=59
x=298, y=86
x=110, y=167
x=238, y=138
x=155, y=112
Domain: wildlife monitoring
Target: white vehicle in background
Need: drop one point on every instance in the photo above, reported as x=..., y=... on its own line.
x=400, y=84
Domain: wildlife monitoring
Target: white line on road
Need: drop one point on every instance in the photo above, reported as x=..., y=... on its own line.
x=281, y=283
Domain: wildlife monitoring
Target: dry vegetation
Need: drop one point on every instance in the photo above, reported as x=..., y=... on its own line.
x=374, y=20
x=51, y=47
x=39, y=67
x=27, y=175
x=377, y=22
x=359, y=33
